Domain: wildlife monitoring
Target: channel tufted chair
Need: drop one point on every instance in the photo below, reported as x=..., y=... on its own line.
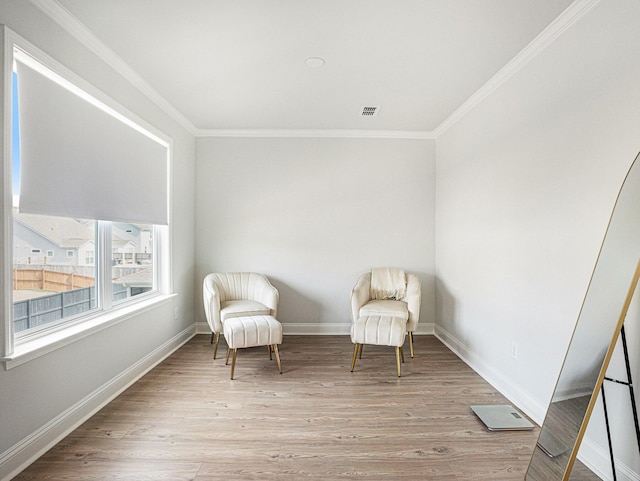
x=236, y=294
x=388, y=292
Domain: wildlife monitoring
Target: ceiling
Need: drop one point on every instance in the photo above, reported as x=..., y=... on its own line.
x=227, y=65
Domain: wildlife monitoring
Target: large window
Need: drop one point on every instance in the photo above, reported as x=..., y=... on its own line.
x=89, y=185
x=48, y=289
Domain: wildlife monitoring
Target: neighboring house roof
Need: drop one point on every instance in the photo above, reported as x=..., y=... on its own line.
x=141, y=278
x=62, y=231
x=120, y=243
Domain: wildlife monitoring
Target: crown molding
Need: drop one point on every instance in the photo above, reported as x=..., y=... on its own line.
x=563, y=22
x=319, y=133
x=80, y=32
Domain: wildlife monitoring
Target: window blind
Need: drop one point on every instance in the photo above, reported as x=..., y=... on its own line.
x=80, y=158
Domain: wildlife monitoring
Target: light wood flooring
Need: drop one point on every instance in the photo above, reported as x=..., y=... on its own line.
x=186, y=420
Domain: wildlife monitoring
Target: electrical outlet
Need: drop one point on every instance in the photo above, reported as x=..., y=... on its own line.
x=175, y=313
x=514, y=350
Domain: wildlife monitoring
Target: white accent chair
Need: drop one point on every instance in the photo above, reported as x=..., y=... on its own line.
x=403, y=304
x=236, y=294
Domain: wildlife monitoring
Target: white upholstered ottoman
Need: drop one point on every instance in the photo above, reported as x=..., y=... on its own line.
x=381, y=331
x=252, y=331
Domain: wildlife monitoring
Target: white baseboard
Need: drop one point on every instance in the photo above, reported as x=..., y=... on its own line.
x=18, y=457
x=504, y=385
x=21, y=455
x=591, y=454
x=202, y=328
x=598, y=460
x=317, y=329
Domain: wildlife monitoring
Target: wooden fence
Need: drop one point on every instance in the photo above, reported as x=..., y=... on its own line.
x=47, y=280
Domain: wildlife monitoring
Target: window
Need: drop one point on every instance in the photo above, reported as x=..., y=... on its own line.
x=47, y=292
x=108, y=259
x=132, y=259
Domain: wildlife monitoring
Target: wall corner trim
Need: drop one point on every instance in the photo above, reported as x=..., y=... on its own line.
x=80, y=32
x=319, y=133
x=318, y=328
x=532, y=408
x=572, y=14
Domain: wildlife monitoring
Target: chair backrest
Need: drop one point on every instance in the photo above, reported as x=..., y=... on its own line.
x=413, y=298
x=235, y=286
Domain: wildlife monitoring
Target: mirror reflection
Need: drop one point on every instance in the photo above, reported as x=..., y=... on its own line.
x=593, y=339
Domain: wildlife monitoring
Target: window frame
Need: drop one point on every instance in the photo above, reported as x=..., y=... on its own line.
x=17, y=349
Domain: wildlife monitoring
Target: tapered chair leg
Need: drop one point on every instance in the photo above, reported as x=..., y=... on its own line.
x=411, y=342
x=355, y=355
x=270, y=350
x=275, y=350
x=211, y=338
x=233, y=362
x=215, y=346
x=361, y=346
x=398, y=359
x=226, y=361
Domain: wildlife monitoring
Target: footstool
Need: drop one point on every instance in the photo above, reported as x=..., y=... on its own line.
x=252, y=331
x=381, y=331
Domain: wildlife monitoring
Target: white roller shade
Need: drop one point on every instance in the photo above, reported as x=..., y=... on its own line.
x=79, y=158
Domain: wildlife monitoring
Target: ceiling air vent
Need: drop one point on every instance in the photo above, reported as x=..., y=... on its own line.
x=370, y=111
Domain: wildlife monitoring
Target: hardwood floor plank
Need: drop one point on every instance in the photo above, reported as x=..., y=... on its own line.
x=187, y=420
x=346, y=468
x=111, y=470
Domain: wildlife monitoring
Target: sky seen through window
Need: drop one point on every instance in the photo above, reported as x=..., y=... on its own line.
x=15, y=140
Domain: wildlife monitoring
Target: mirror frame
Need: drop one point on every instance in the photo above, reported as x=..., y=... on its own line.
x=545, y=466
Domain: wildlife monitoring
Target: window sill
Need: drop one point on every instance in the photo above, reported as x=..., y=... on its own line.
x=34, y=348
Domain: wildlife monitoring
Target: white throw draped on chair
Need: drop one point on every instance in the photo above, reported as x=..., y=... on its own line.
x=388, y=283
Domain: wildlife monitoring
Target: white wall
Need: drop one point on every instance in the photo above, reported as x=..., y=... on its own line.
x=525, y=186
x=313, y=214
x=41, y=399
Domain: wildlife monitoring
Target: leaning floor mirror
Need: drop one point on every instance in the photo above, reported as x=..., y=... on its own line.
x=601, y=317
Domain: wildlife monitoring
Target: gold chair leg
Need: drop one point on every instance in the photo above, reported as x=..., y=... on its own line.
x=226, y=361
x=211, y=338
x=275, y=350
x=361, y=346
x=411, y=342
x=398, y=359
x=233, y=361
x=402, y=353
x=355, y=355
x=270, y=356
x=215, y=346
